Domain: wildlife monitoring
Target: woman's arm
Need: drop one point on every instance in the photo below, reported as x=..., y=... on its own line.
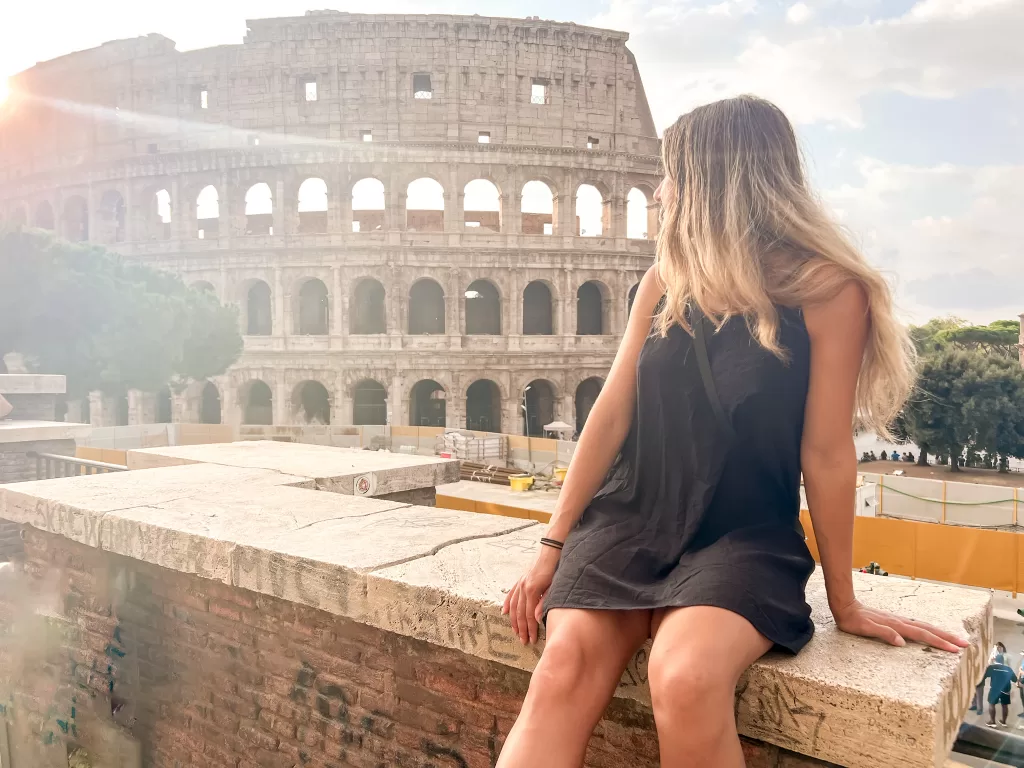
x=838, y=330
x=602, y=438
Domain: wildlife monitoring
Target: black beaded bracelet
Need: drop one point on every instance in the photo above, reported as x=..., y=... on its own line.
x=553, y=543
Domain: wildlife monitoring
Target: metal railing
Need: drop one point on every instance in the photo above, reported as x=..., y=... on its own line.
x=50, y=465
x=1000, y=747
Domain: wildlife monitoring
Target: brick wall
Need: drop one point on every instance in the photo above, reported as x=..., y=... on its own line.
x=38, y=407
x=202, y=674
x=15, y=464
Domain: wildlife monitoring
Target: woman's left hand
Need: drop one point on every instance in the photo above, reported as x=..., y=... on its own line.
x=858, y=619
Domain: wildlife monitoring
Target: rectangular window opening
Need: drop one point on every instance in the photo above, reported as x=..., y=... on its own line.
x=592, y=143
x=355, y=226
x=367, y=135
x=484, y=137
x=309, y=87
x=539, y=92
x=548, y=228
x=204, y=99
x=421, y=88
x=151, y=149
x=472, y=223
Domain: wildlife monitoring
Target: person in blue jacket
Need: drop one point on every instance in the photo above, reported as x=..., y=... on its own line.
x=1002, y=678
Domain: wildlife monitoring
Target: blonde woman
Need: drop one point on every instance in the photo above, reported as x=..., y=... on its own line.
x=753, y=344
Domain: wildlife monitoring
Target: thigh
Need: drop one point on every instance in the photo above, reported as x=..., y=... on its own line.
x=720, y=641
x=605, y=638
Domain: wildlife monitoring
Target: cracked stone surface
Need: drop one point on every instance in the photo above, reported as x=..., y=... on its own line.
x=439, y=575
x=332, y=469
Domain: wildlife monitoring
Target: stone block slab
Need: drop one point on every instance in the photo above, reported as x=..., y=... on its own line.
x=31, y=431
x=32, y=384
x=845, y=700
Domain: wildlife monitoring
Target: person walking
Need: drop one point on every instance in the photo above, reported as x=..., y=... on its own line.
x=754, y=342
x=978, y=703
x=1002, y=678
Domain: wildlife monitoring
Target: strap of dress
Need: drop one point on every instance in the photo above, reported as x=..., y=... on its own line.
x=700, y=345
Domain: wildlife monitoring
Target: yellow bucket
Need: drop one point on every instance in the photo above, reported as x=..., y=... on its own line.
x=560, y=474
x=521, y=482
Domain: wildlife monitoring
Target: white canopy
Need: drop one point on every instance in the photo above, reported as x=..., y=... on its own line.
x=558, y=426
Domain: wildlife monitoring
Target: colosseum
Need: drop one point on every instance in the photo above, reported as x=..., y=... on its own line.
x=426, y=220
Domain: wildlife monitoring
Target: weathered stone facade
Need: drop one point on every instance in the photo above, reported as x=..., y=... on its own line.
x=129, y=143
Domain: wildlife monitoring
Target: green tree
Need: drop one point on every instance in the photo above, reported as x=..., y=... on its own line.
x=999, y=338
x=82, y=311
x=930, y=337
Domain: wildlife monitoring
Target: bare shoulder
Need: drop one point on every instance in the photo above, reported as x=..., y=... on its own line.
x=844, y=315
x=650, y=291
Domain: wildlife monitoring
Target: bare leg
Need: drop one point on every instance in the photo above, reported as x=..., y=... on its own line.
x=992, y=714
x=698, y=656
x=1006, y=712
x=583, y=659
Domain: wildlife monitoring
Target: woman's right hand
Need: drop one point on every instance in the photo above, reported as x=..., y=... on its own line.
x=525, y=601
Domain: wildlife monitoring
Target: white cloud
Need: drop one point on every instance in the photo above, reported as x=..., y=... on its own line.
x=799, y=13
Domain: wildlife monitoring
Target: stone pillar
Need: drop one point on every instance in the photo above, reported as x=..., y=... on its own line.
x=455, y=408
x=230, y=408
x=396, y=401
x=180, y=413
x=566, y=224
x=568, y=304
x=512, y=419
x=181, y=212
x=286, y=212
x=511, y=202
x=341, y=410
x=567, y=411
x=141, y=407
x=102, y=410
x=74, y=412
x=278, y=300
x=129, y=214
x=451, y=308
x=282, y=400
x=335, y=313
x=339, y=206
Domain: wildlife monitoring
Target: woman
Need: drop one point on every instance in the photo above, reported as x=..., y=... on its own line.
x=679, y=517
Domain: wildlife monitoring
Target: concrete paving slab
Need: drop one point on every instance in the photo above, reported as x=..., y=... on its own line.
x=490, y=498
x=338, y=470
x=844, y=699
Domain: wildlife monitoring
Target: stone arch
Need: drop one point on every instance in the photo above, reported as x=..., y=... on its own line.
x=631, y=297
x=424, y=205
x=159, y=217
x=539, y=398
x=538, y=208
x=427, y=404
x=208, y=212
x=259, y=210
x=257, y=401
x=313, y=317
x=592, y=309
x=368, y=205
x=483, y=309
x=210, y=404
x=44, y=218
x=311, y=403
x=112, y=217
x=312, y=205
x=259, y=309
x=483, y=406
x=369, y=403
x=368, y=311
x=426, y=307
x=591, y=211
x=638, y=209
x=586, y=396
x=482, y=205
x=75, y=220
x=538, y=309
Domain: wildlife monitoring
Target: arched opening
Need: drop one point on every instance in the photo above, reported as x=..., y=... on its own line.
x=424, y=206
x=163, y=213
x=630, y=298
x=427, y=404
x=539, y=407
x=638, y=224
x=313, y=206
x=368, y=308
x=369, y=403
x=483, y=309
x=426, y=308
x=590, y=212
x=257, y=403
x=121, y=410
x=44, y=216
x=482, y=206
x=311, y=404
x=586, y=396
x=111, y=219
x=258, y=311
x=590, y=314
x=204, y=286
x=367, y=205
x=163, y=406
x=208, y=213
x=314, y=308
x=76, y=219
x=259, y=210
x=537, y=310
x=209, y=404
x=483, y=406
x=538, y=209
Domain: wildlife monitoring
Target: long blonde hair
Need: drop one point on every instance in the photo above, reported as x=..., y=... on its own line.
x=742, y=234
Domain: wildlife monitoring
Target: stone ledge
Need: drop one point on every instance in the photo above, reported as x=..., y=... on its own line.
x=14, y=431
x=32, y=384
x=333, y=469
x=438, y=575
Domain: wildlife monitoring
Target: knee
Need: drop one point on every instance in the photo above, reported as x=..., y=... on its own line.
x=683, y=685
x=561, y=672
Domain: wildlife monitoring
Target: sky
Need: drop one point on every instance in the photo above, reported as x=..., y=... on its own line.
x=910, y=112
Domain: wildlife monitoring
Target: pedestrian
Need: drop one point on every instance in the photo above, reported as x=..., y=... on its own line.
x=1020, y=687
x=753, y=342
x=1002, y=678
x=978, y=703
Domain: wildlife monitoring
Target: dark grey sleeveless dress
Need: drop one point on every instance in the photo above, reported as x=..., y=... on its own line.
x=702, y=506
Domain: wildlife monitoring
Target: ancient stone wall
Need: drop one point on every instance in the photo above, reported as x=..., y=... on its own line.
x=161, y=155
x=200, y=673
x=15, y=463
